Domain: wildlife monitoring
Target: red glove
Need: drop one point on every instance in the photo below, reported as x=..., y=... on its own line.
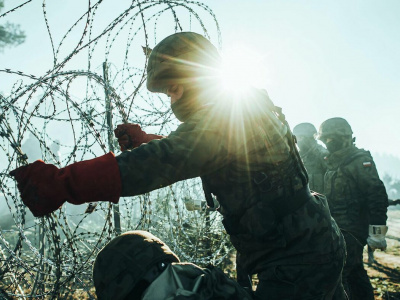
x=131, y=136
x=44, y=187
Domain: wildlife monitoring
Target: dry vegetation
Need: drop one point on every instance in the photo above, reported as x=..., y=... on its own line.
x=384, y=273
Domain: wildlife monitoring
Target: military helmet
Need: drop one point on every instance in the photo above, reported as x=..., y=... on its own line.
x=334, y=127
x=122, y=263
x=179, y=58
x=304, y=129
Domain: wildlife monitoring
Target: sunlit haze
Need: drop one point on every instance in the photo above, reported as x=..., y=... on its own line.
x=242, y=67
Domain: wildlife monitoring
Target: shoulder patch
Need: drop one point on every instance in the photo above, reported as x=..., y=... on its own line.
x=367, y=164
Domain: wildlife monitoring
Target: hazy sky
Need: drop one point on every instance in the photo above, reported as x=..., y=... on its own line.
x=317, y=59
x=324, y=59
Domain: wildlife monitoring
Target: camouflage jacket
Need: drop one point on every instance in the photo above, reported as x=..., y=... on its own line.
x=315, y=164
x=188, y=281
x=356, y=195
x=245, y=159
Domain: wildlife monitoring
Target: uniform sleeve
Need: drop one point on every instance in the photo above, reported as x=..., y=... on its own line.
x=373, y=189
x=194, y=149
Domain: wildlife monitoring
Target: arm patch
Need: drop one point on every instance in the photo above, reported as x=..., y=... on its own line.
x=367, y=164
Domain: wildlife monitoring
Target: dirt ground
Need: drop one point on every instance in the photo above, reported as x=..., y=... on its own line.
x=385, y=272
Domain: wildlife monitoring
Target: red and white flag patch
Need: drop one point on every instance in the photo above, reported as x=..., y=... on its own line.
x=367, y=164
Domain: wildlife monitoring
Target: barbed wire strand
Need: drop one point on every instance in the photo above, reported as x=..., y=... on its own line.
x=58, y=115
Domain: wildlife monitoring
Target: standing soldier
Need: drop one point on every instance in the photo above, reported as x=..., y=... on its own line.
x=358, y=202
x=242, y=148
x=312, y=154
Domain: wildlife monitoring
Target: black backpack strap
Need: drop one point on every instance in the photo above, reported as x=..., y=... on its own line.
x=207, y=193
x=292, y=144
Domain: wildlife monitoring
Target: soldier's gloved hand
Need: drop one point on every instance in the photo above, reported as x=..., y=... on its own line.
x=376, y=238
x=131, y=136
x=44, y=187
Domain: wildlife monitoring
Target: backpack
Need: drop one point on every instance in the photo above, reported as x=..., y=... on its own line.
x=185, y=281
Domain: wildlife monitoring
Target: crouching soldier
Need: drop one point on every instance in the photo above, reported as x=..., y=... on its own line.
x=138, y=265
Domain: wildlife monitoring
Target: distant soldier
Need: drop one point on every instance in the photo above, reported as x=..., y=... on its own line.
x=358, y=202
x=31, y=147
x=312, y=154
x=138, y=265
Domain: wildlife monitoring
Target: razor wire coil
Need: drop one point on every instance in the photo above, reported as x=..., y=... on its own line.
x=58, y=115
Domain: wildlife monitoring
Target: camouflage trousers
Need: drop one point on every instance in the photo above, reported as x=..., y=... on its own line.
x=303, y=282
x=355, y=278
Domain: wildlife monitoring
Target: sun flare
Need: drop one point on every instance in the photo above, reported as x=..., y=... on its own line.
x=242, y=67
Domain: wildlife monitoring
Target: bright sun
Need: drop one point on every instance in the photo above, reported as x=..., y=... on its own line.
x=242, y=67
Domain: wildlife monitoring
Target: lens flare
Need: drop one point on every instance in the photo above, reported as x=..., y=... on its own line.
x=242, y=67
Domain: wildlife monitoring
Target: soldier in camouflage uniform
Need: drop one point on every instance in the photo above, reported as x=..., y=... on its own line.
x=358, y=202
x=243, y=150
x=312, y=155
x=138, y=265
